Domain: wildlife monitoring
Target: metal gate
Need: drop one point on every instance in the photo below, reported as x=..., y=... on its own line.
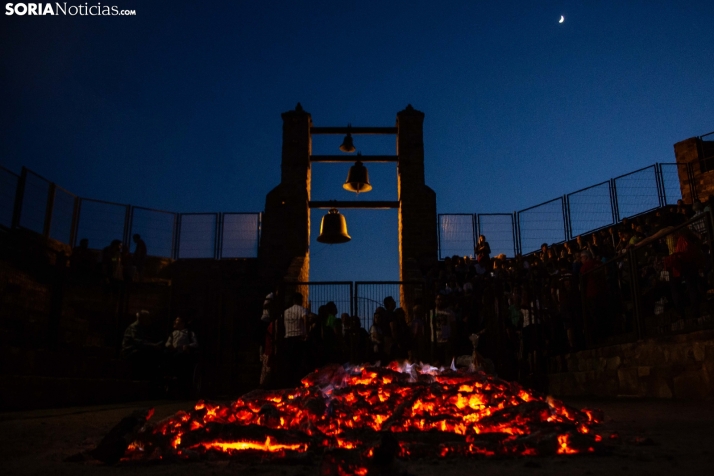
x=369, y=295
x=359, y=299
x=319, y=293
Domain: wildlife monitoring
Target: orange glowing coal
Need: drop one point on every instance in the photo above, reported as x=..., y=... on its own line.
x=426, y=410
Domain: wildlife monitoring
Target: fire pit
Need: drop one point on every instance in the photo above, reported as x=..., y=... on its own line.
x=372, y=414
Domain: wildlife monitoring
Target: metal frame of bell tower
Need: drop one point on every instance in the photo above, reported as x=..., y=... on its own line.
x=285, y=240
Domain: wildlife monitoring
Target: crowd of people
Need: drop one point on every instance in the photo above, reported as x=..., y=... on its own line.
x=508, y=315
x=162, y=360
x=115, y=263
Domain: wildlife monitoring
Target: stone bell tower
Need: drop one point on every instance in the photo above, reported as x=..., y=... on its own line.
x=285, y=241
x=285, y=236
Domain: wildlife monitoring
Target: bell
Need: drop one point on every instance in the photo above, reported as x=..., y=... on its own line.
x=357, y=179
x=347, y=145
x=333, y=229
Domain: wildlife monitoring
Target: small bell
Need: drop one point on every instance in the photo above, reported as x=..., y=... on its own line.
x=333, y=229
x=347, y=145
x=357, y=178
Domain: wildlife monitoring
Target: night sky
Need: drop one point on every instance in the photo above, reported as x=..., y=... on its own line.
x=178, y=107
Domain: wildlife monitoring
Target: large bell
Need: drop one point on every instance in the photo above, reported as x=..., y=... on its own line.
x=333, y=229
x=347, y=145
x=357, y=179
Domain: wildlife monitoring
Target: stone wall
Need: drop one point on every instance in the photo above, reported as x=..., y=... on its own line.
x=680, y=366
x=60, y=336
x=689, y=154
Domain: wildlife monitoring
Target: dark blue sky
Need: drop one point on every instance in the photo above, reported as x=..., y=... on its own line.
x=179, y=107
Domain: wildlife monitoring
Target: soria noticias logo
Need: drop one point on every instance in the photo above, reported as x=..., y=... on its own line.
x=62, y=8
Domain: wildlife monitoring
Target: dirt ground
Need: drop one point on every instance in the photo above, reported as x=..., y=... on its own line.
x=682, y=434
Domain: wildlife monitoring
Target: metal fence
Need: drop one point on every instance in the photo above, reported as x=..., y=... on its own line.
x=456, y=235
x=361, y=298
x=157, y=228
x=31, y=202
x=369, y=295
x=564, y=218
x=544, y=223
x=660, y=287
x=590, y=208
x=501, y=231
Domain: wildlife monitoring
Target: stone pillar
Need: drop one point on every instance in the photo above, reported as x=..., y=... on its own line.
x=686, y=154
x=418, y=236
x=285, y=238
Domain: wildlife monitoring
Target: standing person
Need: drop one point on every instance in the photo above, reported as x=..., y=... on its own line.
x=683, y=265
x=356, y=338
x=295, y=318
x=182, y=346
x=530, y=336
x=140, y=255
x=443, y=321
x=389, y=326
x=376, y=337
x=181, y=338
x=331, y=337
x=111, y=262
x=83, y=262
x=269, y=313
x=267, y=356
x=140, y=349
x=417, y=353
x=483, y=248
x=594, y=278
x=402, y=336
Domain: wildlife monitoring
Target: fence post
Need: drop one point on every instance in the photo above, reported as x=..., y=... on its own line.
x=352, y=304
x=355, y=298
x=217, y=245
x=659, y=181
x=130, y=226
x=19, y=196
x=177, y=236
x=438, y=231
x=513, y=233
x=474, y=231
x=517, y=231
x=48, y=210
x=567, y=225
x=613, y=198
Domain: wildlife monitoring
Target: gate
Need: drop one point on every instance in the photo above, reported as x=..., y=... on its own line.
x=369, y=295
x=359, y=299
x=319, y=293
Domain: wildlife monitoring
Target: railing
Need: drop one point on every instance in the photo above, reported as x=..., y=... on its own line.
x=31, y=202
x=650, y=290
x=369, y=295
x=361, y=298
x=564, y=218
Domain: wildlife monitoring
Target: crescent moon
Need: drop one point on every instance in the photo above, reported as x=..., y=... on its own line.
x=562, y=19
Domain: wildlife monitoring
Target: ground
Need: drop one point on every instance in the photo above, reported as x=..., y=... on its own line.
x=678, y=437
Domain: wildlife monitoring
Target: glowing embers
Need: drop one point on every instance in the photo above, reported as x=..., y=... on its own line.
x=425, y=410
x=269, y=446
